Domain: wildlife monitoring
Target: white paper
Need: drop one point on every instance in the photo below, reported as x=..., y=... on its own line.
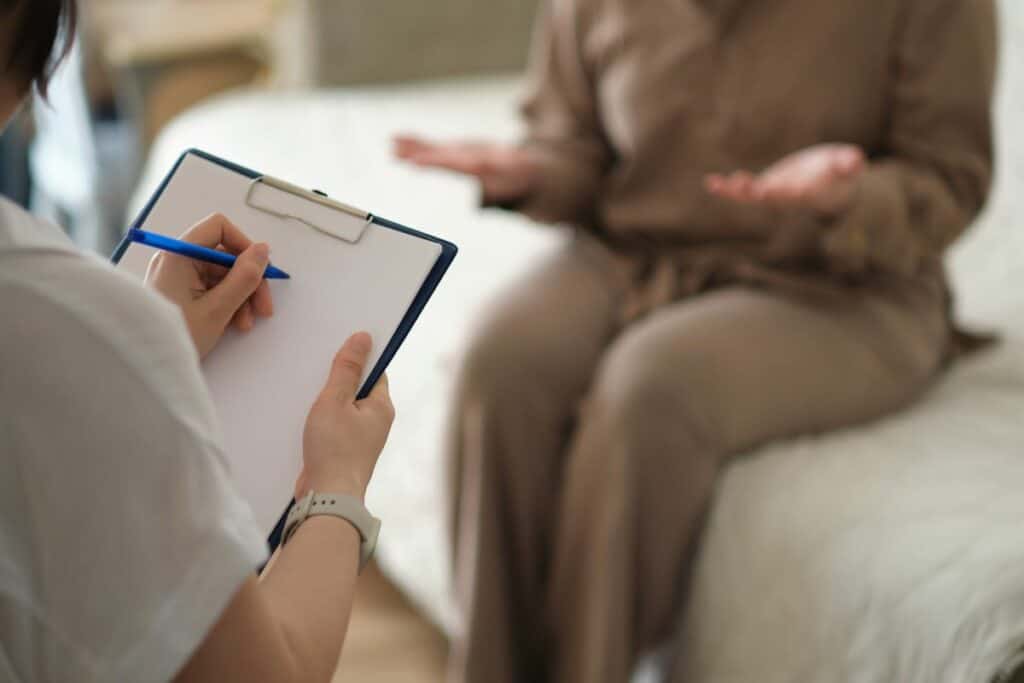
x=264, y=382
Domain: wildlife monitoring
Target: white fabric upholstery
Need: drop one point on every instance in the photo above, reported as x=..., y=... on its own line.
x=887, y=553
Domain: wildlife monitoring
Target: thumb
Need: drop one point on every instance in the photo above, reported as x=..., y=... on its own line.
x=380, y=396
x=240, y=283
x=852, y=160
x=347, y=369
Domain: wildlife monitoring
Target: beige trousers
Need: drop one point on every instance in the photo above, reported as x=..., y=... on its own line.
x=584, y=455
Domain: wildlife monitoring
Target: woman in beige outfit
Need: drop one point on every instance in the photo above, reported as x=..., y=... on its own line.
x=695, y=316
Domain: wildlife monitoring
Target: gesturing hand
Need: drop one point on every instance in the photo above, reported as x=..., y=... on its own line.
x=821, y=178
x=344, y=437
x=212, y=297
x=506, y=173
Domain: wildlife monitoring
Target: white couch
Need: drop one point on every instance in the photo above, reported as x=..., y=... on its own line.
x=889, y=553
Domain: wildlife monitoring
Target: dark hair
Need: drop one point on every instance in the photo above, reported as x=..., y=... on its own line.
x=43, y=33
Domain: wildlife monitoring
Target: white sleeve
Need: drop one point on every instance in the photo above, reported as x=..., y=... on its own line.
x=133, y=538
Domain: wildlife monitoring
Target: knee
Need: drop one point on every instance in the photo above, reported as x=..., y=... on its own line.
x=524, y=346
x=493, y=363
x=654, y=399
x=511, y=360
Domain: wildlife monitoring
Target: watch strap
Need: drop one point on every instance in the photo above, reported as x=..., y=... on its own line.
x=349, y=508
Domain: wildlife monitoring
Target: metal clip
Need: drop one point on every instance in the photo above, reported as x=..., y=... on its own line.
x=309, y=210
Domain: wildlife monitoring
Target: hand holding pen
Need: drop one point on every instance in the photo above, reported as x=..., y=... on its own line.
x=213, y=296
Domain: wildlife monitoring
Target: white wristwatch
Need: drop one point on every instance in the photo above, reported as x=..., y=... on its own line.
x=348, y=508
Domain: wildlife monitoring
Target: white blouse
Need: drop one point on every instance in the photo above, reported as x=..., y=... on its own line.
x=122, y=538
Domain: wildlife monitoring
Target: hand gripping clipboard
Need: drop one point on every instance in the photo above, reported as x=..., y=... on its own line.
x=351, y=271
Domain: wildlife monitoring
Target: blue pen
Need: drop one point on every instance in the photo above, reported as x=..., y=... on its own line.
x=196, y=252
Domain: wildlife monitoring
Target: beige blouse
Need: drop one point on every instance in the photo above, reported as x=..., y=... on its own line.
x=632, y=102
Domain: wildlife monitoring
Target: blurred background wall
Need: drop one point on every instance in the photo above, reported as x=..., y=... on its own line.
x=140, y=63
x=359, y=41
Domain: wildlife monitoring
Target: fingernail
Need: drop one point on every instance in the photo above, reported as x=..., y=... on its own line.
x=262, y=251
x=363, y=342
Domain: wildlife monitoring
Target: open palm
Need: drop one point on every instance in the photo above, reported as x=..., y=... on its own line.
x=822, y=178
x=505, y=172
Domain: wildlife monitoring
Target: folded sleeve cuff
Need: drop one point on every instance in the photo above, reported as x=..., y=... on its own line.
x=564, y=190
x=874, y=233
x=232, y=553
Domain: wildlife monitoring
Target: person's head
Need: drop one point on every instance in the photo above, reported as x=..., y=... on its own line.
x=35, y=35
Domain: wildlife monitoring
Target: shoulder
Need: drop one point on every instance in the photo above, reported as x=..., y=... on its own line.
x=113, y=435
x=79, y=316
x=21, y=230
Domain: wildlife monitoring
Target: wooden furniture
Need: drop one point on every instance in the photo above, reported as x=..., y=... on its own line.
x=166, y=55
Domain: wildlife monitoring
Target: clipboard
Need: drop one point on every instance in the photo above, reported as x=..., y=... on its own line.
x=351, y=270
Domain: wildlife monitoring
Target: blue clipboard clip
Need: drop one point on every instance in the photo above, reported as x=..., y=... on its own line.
x=313, y=209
